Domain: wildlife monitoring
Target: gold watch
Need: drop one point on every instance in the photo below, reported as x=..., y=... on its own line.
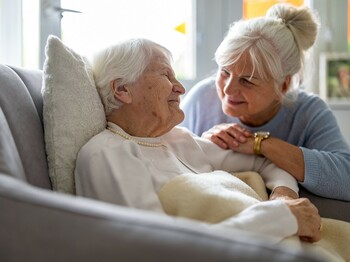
x=258, y=137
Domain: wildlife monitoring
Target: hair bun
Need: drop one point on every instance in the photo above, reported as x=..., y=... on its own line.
x=302, y=21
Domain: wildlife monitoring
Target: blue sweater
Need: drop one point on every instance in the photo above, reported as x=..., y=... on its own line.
x=307, y=123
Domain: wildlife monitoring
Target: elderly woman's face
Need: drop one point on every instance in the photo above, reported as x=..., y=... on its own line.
x=156, y=96
x=253, y=100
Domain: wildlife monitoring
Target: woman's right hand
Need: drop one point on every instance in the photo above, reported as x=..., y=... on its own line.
x=309, y=220
x=227, y=135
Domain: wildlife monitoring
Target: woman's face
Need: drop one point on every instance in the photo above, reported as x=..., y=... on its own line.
x=156, y=96
x=253, y=100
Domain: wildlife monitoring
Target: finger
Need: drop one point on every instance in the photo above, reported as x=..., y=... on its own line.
x=315, y=237
x=312, y=237
x=306, y=239
x=207, y=134
x=219, y=142
x=237, y=133
x=235, y=130
x=230, y=140
x=244, y=131
x=314, y=232
x=215, y=130
x=321, y=227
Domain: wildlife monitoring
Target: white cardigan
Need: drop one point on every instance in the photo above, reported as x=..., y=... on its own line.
x=114, y=169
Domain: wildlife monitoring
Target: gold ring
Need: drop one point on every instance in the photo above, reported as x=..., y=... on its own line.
x=321, y=227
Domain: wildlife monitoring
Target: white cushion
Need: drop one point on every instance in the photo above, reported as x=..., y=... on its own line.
x=73, y=111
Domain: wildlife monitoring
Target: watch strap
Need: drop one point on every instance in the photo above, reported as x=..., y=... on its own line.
x=258, y=138
x=257, y=145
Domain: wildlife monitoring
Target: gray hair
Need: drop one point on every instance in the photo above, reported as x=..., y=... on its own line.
x=276, y=43
x=125, y=61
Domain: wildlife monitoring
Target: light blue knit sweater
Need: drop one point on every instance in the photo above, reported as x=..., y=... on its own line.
x=308, y=123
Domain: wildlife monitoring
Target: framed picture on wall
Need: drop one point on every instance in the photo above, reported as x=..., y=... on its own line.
x=335, y=77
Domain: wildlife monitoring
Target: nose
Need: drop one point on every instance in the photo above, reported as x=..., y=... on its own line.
x=231, y=86
x=178, y=88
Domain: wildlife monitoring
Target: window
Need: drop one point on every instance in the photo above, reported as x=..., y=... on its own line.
x=104, y=22
x=19, y=31
x=10, y=31
x=30, y=33
x=348, y=26
x=25, y=25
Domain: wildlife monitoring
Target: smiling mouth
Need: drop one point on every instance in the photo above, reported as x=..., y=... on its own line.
x=235, y=102
x=174, y=101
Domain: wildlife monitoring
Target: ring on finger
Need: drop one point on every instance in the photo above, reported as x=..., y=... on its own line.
x=321, y=227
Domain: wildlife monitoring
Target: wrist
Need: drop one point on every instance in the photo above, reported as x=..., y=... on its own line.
x=283, y=192
x=259, y=137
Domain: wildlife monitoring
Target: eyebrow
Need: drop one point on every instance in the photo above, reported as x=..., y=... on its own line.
x=249, y=76
x=168, y=68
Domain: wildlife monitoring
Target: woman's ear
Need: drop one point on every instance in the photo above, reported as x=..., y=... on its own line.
x=120, y=92
x=286, y=84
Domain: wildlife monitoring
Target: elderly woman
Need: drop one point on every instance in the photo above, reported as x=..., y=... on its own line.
x=254, y=107
x=142, y=149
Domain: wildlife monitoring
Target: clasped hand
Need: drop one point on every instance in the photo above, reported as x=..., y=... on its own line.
x=239, y=139
x=308, y=218
x=231, y=136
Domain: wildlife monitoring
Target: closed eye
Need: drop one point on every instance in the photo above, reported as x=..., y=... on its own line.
x=224, y=72
x=245, y=81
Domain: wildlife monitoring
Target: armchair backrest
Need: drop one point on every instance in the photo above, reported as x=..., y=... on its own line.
x=22, y=148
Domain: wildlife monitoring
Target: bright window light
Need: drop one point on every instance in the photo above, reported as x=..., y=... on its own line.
x=30, y=33
x=104, y=22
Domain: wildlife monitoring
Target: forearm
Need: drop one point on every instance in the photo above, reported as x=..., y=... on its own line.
x=284, y=155
x=283, y=192
x=327, y=173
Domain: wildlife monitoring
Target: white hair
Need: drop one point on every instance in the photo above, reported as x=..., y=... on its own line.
x=125, y=61
x=275, y=43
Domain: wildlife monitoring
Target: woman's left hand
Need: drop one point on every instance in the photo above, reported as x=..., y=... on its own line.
x=231, y=136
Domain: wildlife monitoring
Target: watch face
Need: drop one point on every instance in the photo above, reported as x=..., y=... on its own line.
x=263, y=134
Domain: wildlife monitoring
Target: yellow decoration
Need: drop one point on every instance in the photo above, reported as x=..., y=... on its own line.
x=181, y=28
x=254, y=8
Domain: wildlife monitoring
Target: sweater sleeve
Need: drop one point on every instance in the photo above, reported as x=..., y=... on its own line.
x=231, y=161
x=327, y=173
x=275, y=177
x=326, y=154
x=271, y=218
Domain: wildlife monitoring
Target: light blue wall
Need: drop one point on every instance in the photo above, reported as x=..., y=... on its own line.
x=334, y=19
x=342, y=113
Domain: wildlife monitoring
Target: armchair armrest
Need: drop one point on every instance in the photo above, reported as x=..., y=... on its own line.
x=40, y=225
x=329, y=208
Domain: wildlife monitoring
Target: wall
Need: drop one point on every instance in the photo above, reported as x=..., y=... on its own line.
x=213, y=19
x=342, y=113
x=333, y=16
x=332, y=38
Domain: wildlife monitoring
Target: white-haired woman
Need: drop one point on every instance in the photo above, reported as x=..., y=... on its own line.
x=142, y=149
x=257, y=89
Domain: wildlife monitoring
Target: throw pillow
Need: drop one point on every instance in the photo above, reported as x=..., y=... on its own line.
x=72, y=111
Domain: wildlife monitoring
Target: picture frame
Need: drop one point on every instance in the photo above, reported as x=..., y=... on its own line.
x=335, y=77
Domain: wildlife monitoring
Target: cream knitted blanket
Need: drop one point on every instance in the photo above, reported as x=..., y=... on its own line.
x=213, y=197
